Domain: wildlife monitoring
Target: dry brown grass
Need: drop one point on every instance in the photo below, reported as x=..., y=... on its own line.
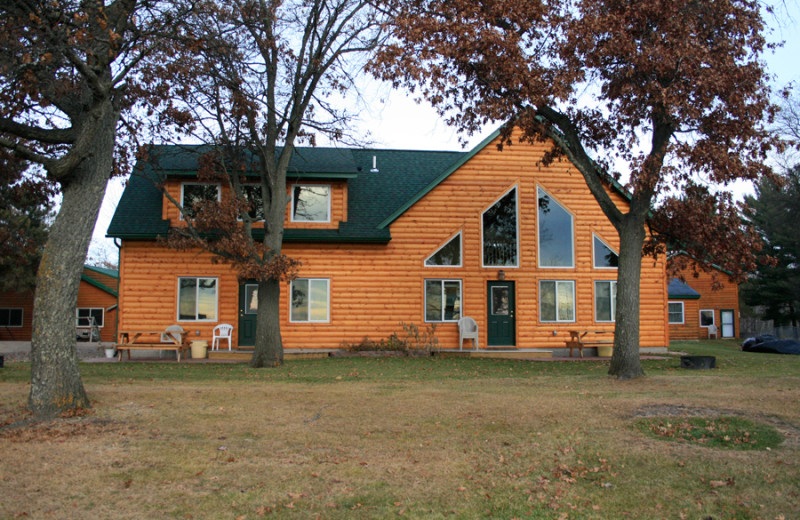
x=519, y=447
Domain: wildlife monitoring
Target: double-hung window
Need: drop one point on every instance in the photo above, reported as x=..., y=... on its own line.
x=556, y=300
x=197, y=299
x=675, y=310
x=442, y=300
x=310, y=300
x=605, y=300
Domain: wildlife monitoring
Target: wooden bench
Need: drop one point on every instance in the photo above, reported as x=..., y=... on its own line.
x=130, y=340
x=577, y=339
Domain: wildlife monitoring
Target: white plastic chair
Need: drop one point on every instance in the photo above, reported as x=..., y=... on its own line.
x=167, y=337
x=712, y=331
x=467, y=329
x=221, y=331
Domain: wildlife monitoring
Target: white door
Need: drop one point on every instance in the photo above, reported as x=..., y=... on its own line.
x=728, y=328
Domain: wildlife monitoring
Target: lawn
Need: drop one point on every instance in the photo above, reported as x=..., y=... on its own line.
x=406, y=438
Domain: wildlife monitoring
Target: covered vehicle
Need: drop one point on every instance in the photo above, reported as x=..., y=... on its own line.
x=771, y=344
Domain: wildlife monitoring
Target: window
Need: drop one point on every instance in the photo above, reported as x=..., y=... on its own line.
x=449, y=255
x=675, y=310
x=251, y=298
x=310, y=300
x=555, y=233
x=193, y=194
x=707, y=317
x=10, y=317
x=311, y=203
x=197, y=299
x=556, y=300
x=605, y=300
x=442, y=300
x=499, y=227
x=604, y=256
x=84, y=315
x=252, y=194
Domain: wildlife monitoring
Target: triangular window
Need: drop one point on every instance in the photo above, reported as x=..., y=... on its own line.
x=604, y=256
x=449, y=255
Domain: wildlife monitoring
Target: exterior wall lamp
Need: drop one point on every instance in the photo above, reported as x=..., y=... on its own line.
x=501, y=275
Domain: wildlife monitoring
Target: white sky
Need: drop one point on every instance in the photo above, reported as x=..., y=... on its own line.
x=392, y=119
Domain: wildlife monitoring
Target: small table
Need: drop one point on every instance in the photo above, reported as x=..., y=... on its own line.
x=576, y=340
x=143, y=340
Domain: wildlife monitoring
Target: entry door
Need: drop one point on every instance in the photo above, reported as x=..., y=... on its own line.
x=248, y=306
x=728, y=326
x=501, y=323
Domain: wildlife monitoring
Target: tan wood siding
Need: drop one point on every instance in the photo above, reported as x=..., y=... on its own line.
x=724, y=298
x=15, y=300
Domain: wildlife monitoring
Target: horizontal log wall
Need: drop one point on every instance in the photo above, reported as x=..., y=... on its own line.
x=724, y=298
x=375, y=287
x=91, y=296
x=16, y=300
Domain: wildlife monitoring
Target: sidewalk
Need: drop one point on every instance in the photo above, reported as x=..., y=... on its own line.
x=21, y=350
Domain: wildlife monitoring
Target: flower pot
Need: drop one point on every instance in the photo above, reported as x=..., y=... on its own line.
x=199, y=349
x=110, y=352
x=605, y=351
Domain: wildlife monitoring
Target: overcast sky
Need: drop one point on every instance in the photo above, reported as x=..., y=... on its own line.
x=392, y=119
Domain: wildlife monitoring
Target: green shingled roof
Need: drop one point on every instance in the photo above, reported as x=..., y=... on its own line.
x=372, y=196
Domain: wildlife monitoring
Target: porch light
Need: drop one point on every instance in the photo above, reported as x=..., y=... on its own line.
x=501, y=275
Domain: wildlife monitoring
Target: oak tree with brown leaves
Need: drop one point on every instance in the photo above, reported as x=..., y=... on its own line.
x=68, y=70
x=673, y=94
x=266, y=75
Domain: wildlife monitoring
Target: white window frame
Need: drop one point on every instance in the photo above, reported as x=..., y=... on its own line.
x=441, y=282
x=197, y=300
x=683, y=313
x=613, y=302
x=446, y=242
x=307, y=185
x=713, y=317
x=574, y=302
x=90, y=309
x=518, y=237
x=184, y=184
x=538, y=234
x=21, y=317
x=327, y=300
x=594, y=253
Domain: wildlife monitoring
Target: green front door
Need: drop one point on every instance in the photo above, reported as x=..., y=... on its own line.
x=248, y=305
x=501, y=323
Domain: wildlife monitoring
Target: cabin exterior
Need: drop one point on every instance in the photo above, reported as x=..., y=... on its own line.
x=391, y=236
x=697, y=308
x=97, y=298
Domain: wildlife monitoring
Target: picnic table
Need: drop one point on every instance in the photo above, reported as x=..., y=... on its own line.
x=577, y=339
x=152, y=340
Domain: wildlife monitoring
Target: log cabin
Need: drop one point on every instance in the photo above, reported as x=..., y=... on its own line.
x=395, y=236
x=97, y=299
x=703, y=305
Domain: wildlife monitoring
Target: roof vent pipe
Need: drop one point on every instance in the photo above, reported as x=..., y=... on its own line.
x=374, y=165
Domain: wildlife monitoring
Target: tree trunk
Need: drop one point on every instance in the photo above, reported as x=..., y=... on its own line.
x=268, y=351
x=56, y=384
x=625, y=363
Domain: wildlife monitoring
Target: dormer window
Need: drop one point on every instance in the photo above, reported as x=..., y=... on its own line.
x=195, y=193
x=311, y=203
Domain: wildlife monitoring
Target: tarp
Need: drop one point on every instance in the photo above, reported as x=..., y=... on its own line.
x=771, y=345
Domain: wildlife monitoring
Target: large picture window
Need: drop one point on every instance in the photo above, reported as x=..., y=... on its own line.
x=193, y=194
x=442, y=300
x=605, y=300
x=311, y=203
x=11, y=317
x=84, y=316
x=604, y=256
x=449, y=255
x=675, y=310
x=555, y=233
x=556, y=300
x=310, y=300
x=197, y=299
x=500, y=232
